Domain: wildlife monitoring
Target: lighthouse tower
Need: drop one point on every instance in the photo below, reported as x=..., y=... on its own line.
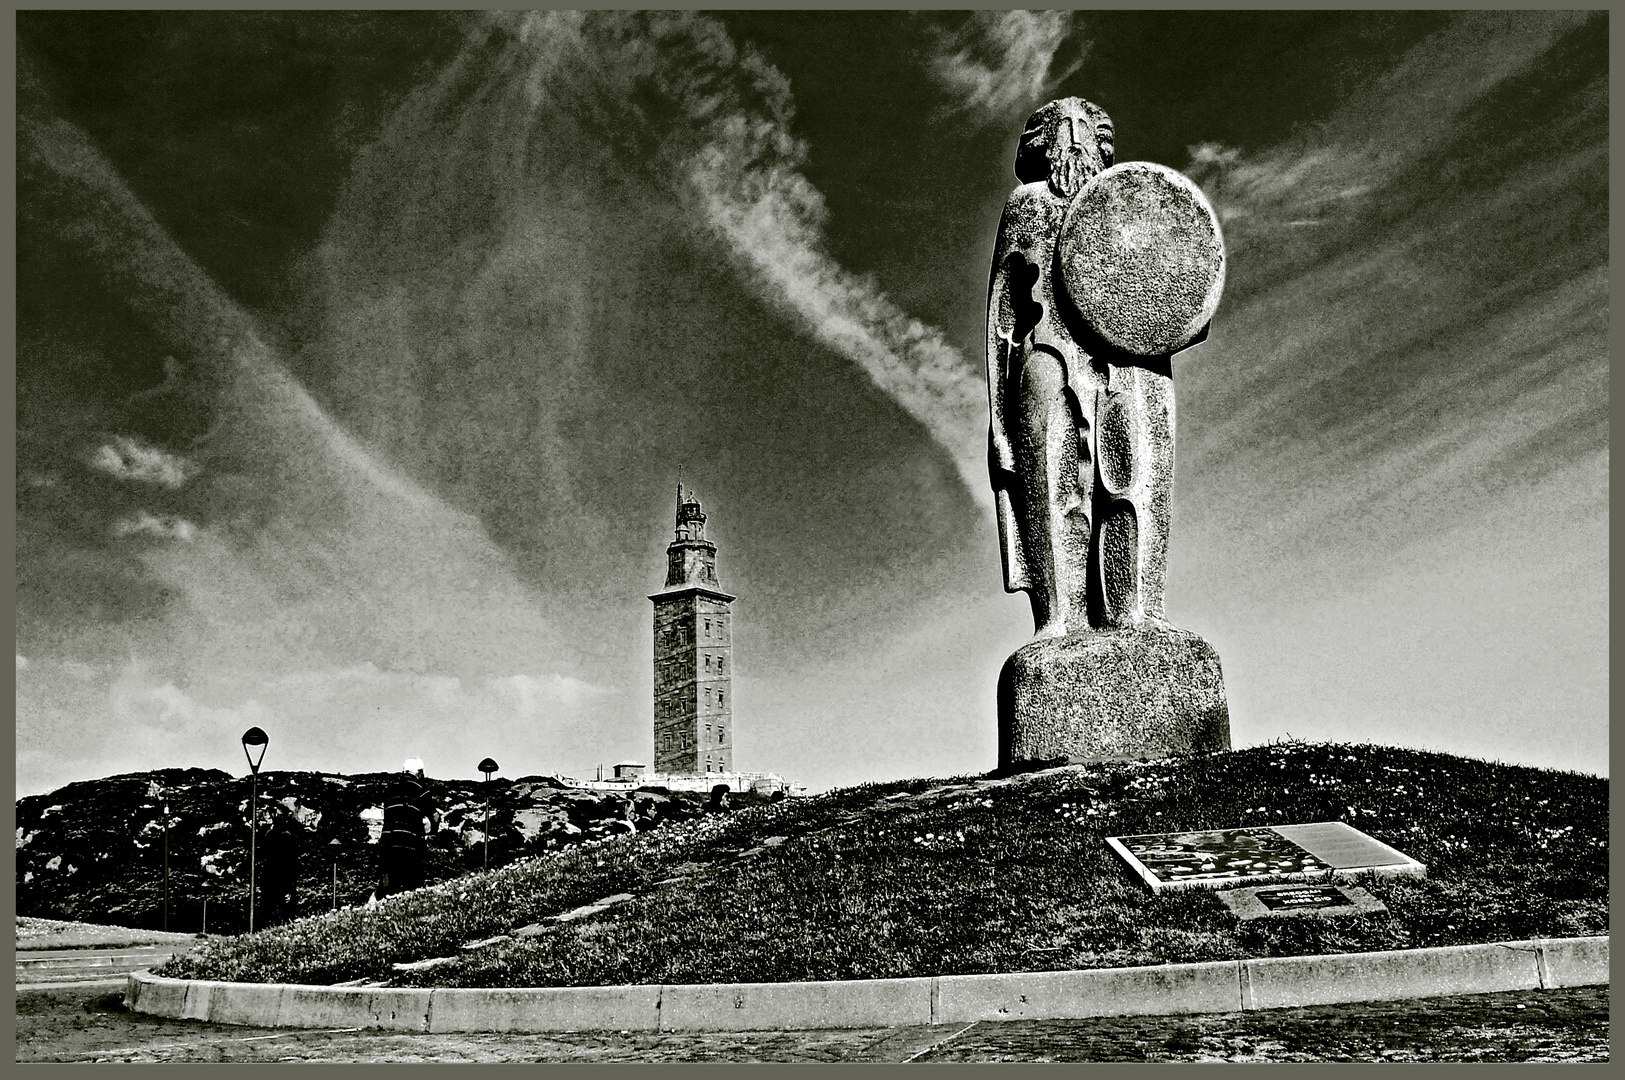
x=693, y=654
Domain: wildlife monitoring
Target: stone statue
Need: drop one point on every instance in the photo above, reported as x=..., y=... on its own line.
x=1101, y=273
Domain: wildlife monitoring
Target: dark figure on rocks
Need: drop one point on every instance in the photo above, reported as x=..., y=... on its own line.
x=280, y=849
x=626, y=818
x=406, y=826
x=719, y=800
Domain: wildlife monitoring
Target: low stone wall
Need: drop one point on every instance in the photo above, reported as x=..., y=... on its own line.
x=1224, y=986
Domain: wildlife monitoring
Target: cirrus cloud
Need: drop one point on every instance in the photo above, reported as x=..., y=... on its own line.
x=1002, y=64
x=162, y=528
x=128, y=459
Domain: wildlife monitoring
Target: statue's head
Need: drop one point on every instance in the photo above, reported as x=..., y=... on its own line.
x=1066, y=143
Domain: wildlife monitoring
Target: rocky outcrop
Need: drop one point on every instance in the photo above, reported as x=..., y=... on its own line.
x=94, y=851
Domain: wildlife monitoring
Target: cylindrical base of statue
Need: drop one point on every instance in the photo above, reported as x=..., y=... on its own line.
x=1111, y=695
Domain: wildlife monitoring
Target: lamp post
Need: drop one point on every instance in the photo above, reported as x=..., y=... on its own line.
x=333, y=846
x=253, y=739
x=166, y=865
x=486, y=766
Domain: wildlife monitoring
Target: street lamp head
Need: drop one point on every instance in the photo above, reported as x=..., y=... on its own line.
x=254, y=742
x=488, y=766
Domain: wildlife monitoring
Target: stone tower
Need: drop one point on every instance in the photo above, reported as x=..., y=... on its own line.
x=693, y=654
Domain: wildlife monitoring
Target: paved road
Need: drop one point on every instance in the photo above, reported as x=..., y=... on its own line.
x=89, y=1023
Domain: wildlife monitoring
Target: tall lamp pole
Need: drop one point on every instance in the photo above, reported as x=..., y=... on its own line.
x=166, y=865
x=333, y=846
x=487, y=766
x=253, y=739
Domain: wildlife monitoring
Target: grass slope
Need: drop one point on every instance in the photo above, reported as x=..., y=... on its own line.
x=927, y=877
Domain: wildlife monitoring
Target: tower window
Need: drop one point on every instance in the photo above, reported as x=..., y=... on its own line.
x=708, y=628
x=722, y=734
x=708, y=663
x=719, y=665
x=708, y=695
x=719, y=699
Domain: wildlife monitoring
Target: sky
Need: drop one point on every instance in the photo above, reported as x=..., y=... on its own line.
x=360, y=355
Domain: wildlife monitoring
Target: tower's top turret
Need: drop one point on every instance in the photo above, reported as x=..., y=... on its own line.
x=690, y=518
x=691, y=559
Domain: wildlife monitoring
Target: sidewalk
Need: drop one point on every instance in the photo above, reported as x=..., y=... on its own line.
x=1535, y=1025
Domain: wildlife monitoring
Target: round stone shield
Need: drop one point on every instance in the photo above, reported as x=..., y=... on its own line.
x=1141, y=258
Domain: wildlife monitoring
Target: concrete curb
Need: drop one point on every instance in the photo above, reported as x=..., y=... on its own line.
x=1224, y=986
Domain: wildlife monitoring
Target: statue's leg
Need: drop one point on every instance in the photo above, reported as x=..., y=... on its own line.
x=1156, y=487
x=1055, y=520
x=1114, y=560
x=1135, y=452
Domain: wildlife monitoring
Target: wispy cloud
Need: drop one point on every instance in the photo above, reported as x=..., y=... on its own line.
x=769, y=215
x=310, y=549
x=531, y=694
x=1439, y=333
x=137, y=698
x=163, y=528
x=128, y=459
x=1002, y=64
x=1391, y=121
x=1282, y=187
x=745, y=170
x=581, y=86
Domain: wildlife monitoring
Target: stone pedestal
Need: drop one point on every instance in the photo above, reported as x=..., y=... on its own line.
x=1112, y=695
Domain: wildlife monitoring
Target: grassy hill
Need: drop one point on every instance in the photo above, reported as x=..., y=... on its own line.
x=927, y=877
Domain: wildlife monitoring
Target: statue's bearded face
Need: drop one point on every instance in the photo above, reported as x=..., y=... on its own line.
x=1074, y=153
x=1066, y=143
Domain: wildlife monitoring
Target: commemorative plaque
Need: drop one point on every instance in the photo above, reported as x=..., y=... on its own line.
x=1303, y=896
x=1220, y=858
x=1286, y=901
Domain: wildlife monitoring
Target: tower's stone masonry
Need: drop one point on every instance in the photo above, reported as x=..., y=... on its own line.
x=693, y=654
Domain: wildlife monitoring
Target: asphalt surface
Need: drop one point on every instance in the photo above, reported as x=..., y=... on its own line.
x=85, y=1020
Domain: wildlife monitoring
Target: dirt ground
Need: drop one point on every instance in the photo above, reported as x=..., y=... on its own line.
x=89, y=1023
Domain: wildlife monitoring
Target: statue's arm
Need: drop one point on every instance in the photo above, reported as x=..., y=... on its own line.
x=1014, y=307
x=1000, y=346
x=1009, y=296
